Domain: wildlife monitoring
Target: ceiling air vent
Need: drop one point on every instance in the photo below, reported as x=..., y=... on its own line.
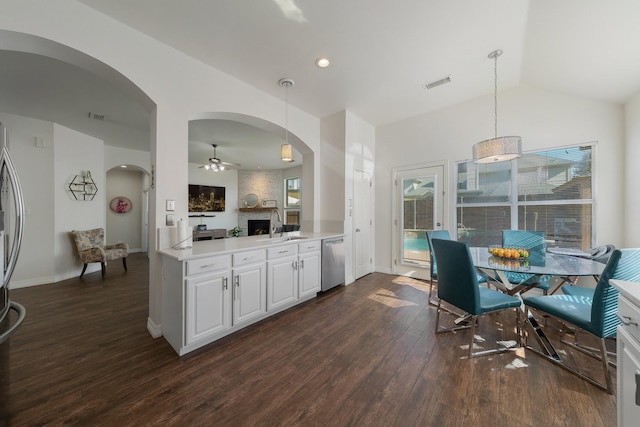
x=97, y=116
x=437, y=82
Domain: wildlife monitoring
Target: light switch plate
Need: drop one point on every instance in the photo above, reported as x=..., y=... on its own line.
x=171, y=205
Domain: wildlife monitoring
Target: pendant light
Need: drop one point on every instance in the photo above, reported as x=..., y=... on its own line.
x=497, y=149
x=286, y=151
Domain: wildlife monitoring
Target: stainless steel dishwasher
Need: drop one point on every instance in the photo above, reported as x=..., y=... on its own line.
x=332, y=263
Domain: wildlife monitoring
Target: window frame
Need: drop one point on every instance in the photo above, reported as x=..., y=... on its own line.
x=514, y=204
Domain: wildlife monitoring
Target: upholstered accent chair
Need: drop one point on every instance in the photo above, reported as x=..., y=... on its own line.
x=91, y=248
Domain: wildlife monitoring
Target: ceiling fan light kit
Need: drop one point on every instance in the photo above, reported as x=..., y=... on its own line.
x=215, y=164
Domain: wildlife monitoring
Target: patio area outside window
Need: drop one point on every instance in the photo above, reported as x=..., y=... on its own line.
x=548, y=191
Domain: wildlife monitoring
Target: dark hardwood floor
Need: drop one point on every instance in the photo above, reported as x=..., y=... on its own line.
x=365, y=355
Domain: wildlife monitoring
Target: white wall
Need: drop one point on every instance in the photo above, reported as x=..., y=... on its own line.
x=124, y=227
x=75, y=153
x=543, y=119
x=34, y=167
x=632, y=174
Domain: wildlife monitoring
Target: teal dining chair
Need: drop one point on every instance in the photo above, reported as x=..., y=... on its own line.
x=444, y=235
x=458, y=286
x=433, y=267
x=596, y=315
x=533, y=241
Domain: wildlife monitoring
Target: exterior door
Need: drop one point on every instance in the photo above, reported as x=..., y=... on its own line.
x=419, y=208
x=362, y=223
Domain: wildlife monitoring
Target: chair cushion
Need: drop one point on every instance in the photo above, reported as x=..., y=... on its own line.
x=572, y=308
x=579, y=291
x=491, y=300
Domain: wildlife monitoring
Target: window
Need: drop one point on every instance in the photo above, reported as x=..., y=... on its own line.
x=292, y=201
x=548, y=191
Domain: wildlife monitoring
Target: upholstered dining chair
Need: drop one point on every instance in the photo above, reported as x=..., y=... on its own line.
x=433, y=276
x=534, y=242
x=458, y=286
x=91, y=248
x=596, y=314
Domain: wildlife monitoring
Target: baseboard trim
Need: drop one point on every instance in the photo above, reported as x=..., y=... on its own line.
x=154, y=330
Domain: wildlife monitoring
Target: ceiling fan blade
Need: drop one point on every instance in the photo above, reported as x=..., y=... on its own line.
x=231, y=164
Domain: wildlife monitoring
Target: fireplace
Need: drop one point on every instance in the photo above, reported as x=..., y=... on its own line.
x=257, y=226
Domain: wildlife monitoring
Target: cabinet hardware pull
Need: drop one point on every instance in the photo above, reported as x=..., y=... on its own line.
x=225, y=283
x=637, y=389
x=626, y=320
x=207, y=266
x=301, y=263
x=282, y=252
x=235, y=294
x=293, y=265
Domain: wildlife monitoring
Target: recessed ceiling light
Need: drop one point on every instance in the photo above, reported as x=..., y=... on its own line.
x=322, y=62
x=123, y=166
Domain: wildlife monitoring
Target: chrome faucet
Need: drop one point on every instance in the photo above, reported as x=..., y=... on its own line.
x=272, y=223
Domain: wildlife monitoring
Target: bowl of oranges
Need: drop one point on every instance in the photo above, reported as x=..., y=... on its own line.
x=509, y=253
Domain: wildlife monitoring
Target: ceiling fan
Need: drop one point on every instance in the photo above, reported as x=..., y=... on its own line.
x=215, y=164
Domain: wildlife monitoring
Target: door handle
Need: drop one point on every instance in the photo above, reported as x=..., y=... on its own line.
x=357, y=230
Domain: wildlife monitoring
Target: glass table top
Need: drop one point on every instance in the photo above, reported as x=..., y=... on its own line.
x=539, y=263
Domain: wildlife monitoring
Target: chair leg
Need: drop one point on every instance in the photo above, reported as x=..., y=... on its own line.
x=124, y=263
x=103, y=268
x=474, y=320
x=84, y=268
x=605, y=365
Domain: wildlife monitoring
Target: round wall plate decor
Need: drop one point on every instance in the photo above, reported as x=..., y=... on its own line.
x=120, y=204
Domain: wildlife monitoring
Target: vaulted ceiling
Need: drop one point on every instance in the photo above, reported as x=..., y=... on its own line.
x=382, y=52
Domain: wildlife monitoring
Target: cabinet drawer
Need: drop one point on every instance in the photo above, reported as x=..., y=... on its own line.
x=203, y=265
x=309, y=246
x=249, y=257
x=630, y=315
x=282, y=251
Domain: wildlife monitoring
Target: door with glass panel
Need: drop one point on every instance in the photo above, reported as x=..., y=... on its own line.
x=419, y=208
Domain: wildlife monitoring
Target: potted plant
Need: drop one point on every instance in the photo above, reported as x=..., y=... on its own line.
x=235, y=231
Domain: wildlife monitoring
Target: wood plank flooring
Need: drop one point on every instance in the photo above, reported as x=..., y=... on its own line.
x=361, y=355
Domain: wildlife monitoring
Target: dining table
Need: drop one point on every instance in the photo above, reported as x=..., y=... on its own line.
x=535, y=266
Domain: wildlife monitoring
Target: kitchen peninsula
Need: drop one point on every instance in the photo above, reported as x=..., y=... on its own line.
x=218, y=287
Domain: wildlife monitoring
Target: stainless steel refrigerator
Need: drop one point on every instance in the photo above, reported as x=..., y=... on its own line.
x=11, y=229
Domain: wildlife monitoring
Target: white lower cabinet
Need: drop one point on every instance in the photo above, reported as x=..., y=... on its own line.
x=282, y=281
x=208, y=306
x=309, y=269
x=249, y=286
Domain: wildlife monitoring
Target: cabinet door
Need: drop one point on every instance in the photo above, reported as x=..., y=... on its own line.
x=208, y=308
x=628, y=372
x=309, y=274
x=282, y=283
x=249, y=292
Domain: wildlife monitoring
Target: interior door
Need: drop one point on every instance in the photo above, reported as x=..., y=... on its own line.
x=362, y=223
x=419, y=208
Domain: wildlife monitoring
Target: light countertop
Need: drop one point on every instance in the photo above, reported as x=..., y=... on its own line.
x=205, y=248
x=631, y=290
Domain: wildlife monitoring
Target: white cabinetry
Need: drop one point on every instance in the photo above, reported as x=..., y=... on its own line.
x=309, y=268
x=210, y=293
x=249, y=286
x=282, y=278
x=628, y=347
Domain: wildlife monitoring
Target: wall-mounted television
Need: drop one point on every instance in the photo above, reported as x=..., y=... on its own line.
x=205, y=198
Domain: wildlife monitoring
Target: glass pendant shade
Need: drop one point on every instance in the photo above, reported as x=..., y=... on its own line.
x=286, y=153
x=499, y=149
